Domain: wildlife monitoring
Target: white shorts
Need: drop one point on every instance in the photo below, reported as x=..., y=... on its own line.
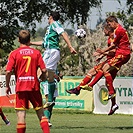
x=56, y=89
x=51, y=58
x=44, y=87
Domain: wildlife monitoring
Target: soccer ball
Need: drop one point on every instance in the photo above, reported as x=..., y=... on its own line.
x=80, y=33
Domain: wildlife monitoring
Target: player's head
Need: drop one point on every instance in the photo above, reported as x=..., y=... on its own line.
x=54, y=16
x=107, y=30
x=112, y=21
x=24, y=37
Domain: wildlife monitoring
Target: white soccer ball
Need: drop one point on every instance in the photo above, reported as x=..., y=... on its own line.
x=80, y=33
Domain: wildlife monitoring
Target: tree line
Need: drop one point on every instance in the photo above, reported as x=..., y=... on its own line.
x=16, y=15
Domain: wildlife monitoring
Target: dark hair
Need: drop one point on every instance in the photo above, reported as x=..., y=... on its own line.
x=111, y=19
x=24, y=36
x=108, y=28
x=55, y=15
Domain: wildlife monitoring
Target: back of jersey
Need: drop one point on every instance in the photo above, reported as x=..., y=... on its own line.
x=25, y=62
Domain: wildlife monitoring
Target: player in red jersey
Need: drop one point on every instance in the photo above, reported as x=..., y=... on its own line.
x=122, y=45
x=7, y=122
x=92, y=72
x=25, y=61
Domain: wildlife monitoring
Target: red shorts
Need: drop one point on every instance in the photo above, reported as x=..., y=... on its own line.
x=118, y=61
x=24, y=97
x=113, y=73
x=99, y=66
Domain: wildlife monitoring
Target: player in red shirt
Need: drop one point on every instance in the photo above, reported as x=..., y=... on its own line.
x=94, y=71
x=25, y=61
x=122, y=55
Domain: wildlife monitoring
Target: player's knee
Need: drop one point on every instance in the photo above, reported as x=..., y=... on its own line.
x=50, y=76
x=50, y=79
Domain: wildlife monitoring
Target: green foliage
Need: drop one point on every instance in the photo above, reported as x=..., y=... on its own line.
x=130, y=6
x=130, y=20
x=16, y=15
x=76, y=11
x=19, y=14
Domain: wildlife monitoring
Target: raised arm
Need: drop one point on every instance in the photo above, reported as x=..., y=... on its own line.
x=102, y=51
x=66, y=38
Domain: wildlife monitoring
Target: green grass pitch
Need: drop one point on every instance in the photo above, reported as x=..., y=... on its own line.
x=73, y=122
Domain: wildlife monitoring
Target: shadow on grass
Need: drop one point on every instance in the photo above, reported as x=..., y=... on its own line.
x=75, y=127
x=123, y=128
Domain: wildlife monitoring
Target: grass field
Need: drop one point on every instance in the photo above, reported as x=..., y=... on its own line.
x=74, y=122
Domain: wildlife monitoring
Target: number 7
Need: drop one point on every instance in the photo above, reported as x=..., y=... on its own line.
x=28, y=62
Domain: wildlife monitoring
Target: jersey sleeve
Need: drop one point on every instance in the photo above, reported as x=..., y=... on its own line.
x=57, y=27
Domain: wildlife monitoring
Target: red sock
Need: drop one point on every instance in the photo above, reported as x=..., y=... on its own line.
x=21, y=128
x=85, y=81
x=2, y=114
x=97, y=78
x=109, y=83
x=44, y=125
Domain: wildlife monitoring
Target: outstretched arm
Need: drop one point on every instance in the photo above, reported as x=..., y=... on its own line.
x=66, y=38
x=39, y=43
x=102, y=51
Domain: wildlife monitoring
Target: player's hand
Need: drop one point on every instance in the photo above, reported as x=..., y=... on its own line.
x=99, y=50
x=99, y=58
x=42, y=77
x=96, y=54
x=8, y=91
x=57, y=77
x=73, y=51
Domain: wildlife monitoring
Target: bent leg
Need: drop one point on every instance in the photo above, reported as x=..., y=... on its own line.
x=87, y=78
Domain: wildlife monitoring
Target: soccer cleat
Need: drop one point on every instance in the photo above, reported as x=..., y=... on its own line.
x=113, y=109
x=73, y=91
x=49, y=124
x=48, y=104
x=108, y=97
x=86, y=87
x=7, y=122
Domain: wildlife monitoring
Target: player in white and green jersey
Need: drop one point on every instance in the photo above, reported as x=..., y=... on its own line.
x=51, y=39
x=51, y=54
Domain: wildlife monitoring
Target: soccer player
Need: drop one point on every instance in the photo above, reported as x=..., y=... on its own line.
x=122, y=45
x=24, y=62
x=44, y=91
x=7, y=122
x=52, y=50
x=94, y=71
